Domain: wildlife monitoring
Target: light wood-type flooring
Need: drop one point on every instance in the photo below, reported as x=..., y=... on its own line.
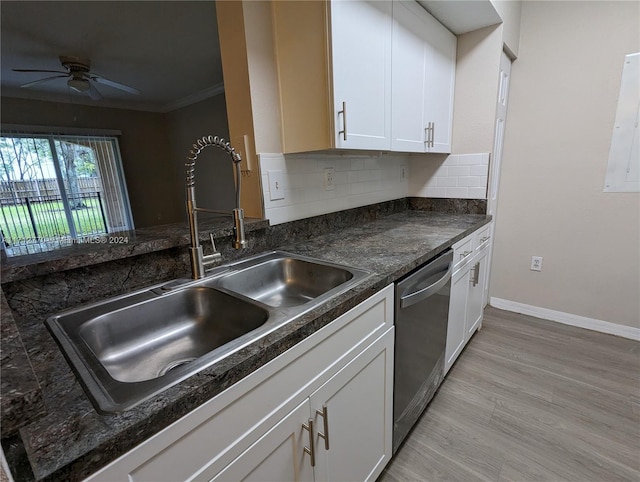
x=530, y=400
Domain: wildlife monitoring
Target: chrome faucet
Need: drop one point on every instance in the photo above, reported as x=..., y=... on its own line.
x=199, y=261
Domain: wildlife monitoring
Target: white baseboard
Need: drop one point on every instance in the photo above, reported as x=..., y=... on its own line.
x=567, y=318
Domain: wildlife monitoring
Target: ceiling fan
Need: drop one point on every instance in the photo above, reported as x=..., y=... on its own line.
x=80, y=77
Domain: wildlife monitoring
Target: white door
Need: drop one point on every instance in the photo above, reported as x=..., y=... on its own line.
x=498, y=141
x=496, y=161
x=361, y=61
x=456, y=329
x=278, y=456
x=355, y=408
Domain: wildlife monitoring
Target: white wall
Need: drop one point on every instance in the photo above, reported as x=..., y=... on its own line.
x=360, y=180
x=562, y=105
x=476, y=90
x=509, y=11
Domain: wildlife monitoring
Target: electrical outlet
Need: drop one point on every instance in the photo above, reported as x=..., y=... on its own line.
x=536, y=263
x=276, y=188
x=329, y=179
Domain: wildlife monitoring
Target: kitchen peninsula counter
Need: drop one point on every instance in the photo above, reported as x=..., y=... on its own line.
x=73, y=440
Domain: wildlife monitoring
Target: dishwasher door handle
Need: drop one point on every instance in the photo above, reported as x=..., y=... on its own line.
x=420, y=295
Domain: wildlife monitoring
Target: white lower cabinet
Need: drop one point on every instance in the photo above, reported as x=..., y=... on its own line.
x=456, y=330
x=330, y=436
x=277, y=455
x=330, y=397
x=355, y=405
x=468, y=284
x=475, y=301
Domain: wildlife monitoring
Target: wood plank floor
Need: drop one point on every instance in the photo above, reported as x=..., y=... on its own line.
x=527, y=400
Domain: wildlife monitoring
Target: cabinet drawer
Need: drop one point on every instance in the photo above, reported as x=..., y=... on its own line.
x=211, y=436
x=462, y=252
x=482, y=238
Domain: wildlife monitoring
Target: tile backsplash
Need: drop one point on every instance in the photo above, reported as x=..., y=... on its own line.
x=462, y=176
x=363, y=179
x=359, y=180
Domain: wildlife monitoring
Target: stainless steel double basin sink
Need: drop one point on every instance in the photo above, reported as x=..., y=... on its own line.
x=127, y=349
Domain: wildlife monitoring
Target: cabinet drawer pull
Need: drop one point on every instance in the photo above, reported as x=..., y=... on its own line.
x=310, y=449
x=324, y=413
x=465, y=254
x=486, y=238
x=344, y=121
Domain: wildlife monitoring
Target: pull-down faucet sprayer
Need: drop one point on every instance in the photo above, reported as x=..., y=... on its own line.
x=199, y=262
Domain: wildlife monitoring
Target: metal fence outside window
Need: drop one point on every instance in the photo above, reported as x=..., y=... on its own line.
x=47, y=221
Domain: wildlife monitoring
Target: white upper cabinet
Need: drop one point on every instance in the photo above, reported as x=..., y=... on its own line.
x=334, y=74
x=423, y=76
x=361, y=53
x=351, y=76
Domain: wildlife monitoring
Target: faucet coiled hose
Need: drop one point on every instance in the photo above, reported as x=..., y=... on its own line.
x=220, y=143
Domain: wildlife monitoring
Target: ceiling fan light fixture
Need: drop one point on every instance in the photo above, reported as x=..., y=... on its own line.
x=79, y=85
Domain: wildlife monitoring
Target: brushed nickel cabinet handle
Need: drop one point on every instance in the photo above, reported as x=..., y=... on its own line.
x=344, y=121
x=310, y=449
x=476, y=274
x=465, y=254
x=324, y=413
x=482, y=240
x=433, y=134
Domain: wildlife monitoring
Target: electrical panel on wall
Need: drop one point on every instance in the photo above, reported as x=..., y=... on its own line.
x=623, y=170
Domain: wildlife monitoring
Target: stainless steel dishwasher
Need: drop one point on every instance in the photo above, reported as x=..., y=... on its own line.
x=422, y=310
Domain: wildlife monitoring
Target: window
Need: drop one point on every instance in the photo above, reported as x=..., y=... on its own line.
x=60, y=189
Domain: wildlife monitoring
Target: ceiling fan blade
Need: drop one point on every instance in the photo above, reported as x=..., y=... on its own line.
x=115, y=85
x=44, y=71
x=94, y=93
x=46, y=79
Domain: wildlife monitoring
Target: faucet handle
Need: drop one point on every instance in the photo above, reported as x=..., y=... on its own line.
x=213, y=257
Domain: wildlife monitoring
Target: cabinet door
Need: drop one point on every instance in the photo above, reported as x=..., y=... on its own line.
x=355, y=408
x=456, y=329
x=361, y=72
x=409, y=57
x=440, y=81
x=423, y=74
x=278, y=456
x=475, y=303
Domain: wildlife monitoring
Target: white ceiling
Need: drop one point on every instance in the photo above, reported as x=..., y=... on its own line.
x=167, y=49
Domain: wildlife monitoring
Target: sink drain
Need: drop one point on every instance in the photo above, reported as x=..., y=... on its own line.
x=175, y=364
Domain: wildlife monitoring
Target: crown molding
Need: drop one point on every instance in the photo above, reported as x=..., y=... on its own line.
x=193, y=98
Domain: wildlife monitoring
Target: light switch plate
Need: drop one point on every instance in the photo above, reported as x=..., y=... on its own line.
x=276, y=185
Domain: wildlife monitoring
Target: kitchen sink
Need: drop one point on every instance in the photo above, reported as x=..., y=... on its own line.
x=285, y=281
x=129, y=348
x=149, y=339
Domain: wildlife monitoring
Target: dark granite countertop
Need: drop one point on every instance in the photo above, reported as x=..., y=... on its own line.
x=21, y=399
x=73, y=440
x=140, y=241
